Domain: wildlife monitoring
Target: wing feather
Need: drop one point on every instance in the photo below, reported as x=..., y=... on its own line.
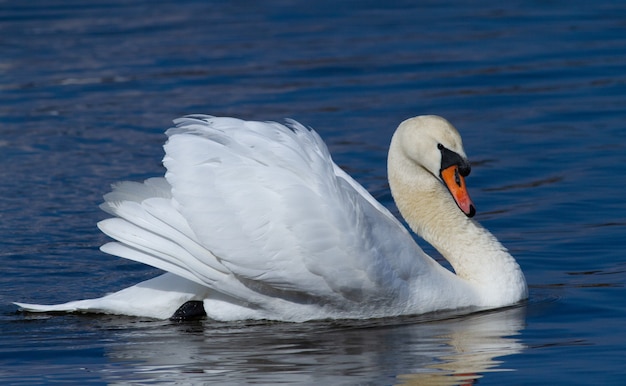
x=270, y=203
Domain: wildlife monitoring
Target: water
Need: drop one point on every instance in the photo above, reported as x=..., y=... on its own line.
x=538, y=90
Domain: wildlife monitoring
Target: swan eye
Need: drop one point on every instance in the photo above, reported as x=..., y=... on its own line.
x=450, y=158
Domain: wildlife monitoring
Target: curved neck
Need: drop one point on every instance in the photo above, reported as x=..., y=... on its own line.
x=475, y=254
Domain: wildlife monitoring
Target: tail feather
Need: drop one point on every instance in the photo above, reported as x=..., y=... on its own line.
x=158, y=298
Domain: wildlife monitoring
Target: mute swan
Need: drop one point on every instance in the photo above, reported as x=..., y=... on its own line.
x=254, y=220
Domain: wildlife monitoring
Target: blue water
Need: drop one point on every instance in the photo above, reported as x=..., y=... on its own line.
x=537, y=89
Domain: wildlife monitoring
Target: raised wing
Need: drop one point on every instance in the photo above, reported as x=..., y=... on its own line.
x=270, y=205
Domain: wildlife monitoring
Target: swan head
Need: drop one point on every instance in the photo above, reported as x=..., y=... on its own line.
x=432, y=143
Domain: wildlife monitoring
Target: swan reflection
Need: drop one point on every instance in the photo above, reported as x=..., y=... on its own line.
x=476, y=344
x=390, y=351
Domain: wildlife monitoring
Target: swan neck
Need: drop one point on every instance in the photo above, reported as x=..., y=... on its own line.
x=473, y=252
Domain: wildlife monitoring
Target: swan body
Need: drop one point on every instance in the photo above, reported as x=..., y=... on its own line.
x=256, y=221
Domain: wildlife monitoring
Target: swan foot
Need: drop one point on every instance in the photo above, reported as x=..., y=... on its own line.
x=191, y=310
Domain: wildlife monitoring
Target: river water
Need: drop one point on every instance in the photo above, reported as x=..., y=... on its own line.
x=537, y=89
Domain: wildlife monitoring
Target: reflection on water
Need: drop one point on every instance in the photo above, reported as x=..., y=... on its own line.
x=392, y=351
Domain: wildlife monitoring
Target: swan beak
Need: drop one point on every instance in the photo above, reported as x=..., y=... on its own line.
x=455, y=183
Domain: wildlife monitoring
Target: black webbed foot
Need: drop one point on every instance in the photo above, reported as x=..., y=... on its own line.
x=191, y=310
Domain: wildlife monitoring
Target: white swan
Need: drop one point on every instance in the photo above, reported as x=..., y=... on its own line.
x=254, y=220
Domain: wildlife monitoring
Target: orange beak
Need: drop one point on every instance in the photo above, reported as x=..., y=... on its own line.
x=455, y=183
